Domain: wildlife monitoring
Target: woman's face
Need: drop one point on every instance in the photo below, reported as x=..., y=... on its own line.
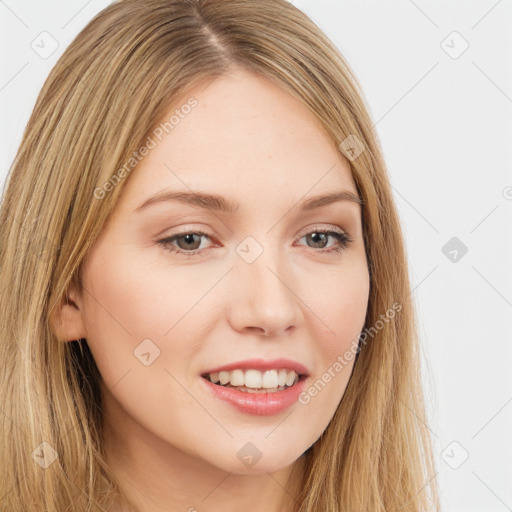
x=263, y=282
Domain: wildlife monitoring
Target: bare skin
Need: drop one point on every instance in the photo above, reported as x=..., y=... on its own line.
x=171, y=443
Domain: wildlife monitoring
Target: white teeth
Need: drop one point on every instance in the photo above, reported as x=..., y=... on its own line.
x=252, y=379
x=290, y=378
x=255, y=379
x=237, y=378
x=270, y=379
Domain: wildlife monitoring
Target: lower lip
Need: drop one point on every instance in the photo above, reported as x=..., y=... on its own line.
x=260, y=404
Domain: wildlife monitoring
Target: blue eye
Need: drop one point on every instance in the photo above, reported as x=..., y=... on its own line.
x=318, y=236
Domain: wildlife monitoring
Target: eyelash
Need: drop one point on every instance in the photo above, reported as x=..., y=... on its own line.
x=344, y=240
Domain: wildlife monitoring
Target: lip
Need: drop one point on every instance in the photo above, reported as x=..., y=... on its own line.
x=262, y=365
x=260, y=404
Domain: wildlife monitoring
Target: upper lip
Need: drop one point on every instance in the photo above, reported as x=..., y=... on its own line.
x=261, y=364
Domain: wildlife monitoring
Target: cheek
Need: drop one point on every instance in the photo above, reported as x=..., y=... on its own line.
x=132, y=292
x=134, y=296
x=122, y=308
x=342, y=307
x=341, y=303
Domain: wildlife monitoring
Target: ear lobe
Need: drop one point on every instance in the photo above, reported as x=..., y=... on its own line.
x=67, y=319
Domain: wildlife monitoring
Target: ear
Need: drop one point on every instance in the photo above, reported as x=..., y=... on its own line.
x=67, y=320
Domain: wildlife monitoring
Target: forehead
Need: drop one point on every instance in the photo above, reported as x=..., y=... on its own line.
x=243, y=136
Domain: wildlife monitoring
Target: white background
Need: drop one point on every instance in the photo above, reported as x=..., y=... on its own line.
x=445, y=123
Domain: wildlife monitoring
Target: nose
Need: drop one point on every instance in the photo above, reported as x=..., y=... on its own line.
x=263, y=297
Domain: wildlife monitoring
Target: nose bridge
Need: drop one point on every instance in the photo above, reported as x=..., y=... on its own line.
x=263, y=296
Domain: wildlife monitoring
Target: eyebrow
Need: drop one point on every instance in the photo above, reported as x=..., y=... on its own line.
x=221, y=204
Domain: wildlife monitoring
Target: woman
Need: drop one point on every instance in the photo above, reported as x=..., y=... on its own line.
x=205, y=299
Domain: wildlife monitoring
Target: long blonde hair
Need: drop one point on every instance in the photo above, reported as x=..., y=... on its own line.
x=101, y=100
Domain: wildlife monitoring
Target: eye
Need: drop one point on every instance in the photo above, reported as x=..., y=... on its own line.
x=189, y=238
x=190, y=241
x=320, y=236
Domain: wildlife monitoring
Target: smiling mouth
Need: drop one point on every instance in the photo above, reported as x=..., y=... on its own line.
x=254, y=381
